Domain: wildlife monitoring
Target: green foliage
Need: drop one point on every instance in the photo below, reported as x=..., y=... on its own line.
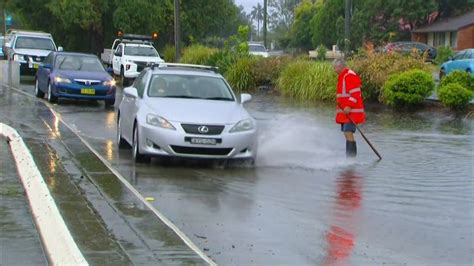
x=460, y=77
x=197, y=54
x=324, y=30
x=308, y=80
x=443, y=54
x=407, y=89
x=321, y=53
x=223, y=60
x=374, y=69
x=240, y=74
x=454, y=96
x=169, y=53
x=267, y=70
x=301, y=28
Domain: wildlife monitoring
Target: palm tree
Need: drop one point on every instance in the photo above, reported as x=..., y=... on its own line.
x=257, y=14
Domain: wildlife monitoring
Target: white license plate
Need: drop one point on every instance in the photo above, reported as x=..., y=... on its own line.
x=203, y=141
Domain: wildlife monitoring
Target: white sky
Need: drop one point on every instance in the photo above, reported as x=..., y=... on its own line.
x=248, y=4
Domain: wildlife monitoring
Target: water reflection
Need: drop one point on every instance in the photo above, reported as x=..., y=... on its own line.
x=110, y=120
x=109, y=150
x=342, y=234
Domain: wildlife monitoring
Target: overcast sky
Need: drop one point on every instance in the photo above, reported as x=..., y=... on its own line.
x=248, y=4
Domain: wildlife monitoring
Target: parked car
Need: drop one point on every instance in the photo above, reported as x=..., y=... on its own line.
x=1, y=47
x=132, y=56
x=74, y=75
x=408, y=47
x=258, y=49
x=462, y=60
x=29, y=48
x=177, y=110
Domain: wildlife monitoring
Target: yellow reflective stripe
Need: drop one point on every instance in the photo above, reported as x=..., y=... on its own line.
x=352, y=111
x=354, y=90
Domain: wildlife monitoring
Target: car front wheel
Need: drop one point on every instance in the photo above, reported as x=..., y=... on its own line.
x=51, y=97
x=139, y=158
x=120, y=140
x=38, y=92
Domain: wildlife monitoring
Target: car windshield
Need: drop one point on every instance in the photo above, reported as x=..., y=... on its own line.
x=34, y=43
x=257, y=48
x=140, y=51
x=189, y=86
x=77, y=62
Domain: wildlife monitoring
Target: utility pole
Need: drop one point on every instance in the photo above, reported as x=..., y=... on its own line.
x=347, y=26
x=176, y=30
x=265, y=23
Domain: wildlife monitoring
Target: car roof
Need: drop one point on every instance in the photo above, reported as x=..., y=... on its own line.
x=183, y=69
x=74, y=54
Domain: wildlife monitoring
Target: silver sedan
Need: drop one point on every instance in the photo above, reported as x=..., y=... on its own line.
x=185, y=111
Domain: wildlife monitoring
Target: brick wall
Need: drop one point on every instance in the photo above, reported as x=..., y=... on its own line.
x=465, y=38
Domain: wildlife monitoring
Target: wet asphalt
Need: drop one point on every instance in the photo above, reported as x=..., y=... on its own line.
x=304, y=203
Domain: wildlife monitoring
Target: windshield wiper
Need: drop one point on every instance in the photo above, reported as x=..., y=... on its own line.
x=219, y=98
x=181, y=96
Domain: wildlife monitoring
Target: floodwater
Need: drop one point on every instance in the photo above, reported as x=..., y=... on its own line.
x=304, y=203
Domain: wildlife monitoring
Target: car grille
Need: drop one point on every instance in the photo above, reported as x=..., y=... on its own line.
x=87, y=82
x=37, y=59
x=141, y=65
x=201, y=151
x=194, y=129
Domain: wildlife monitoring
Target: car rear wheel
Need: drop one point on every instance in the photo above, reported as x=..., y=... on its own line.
x=120, y=141
x=51, y=97
x=139, y=158
x=109, y=103
x=38, y=92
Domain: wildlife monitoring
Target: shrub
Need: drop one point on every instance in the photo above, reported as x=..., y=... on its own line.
x=321, y=53
x=407, y=89
x=267, y=70
x=455, y=96
x=463, y=78
x=168, y=53
x=307, y=80
x=443, y=54
x=240, y=74
x=197, y=54
x=374, y=68
x=223, y=60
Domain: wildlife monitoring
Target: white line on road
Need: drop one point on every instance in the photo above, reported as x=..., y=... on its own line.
x=58, y=243
x=162, y=217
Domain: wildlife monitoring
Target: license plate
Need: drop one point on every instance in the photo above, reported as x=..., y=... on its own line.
x=203, y=141
x=88, y=91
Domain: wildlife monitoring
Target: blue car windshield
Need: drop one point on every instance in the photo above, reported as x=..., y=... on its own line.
x=34, y=43
x=189, y=86
x=77, y=62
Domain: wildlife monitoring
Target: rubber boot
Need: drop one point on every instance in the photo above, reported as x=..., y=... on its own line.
x=351, y=149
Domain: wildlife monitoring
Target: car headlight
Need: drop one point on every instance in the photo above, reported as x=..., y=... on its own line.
x=59, y=79
x=19, y=57
x=110, y=83
x=158, y=121
x=244, y=125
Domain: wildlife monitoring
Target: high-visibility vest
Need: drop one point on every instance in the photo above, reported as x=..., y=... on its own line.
x=349, y=94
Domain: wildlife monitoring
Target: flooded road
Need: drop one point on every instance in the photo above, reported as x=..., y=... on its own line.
x=304, y=203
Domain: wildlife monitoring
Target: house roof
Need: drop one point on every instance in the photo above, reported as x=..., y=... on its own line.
x=450, y=24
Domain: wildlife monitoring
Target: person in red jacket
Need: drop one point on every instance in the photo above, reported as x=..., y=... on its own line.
x=350, y=106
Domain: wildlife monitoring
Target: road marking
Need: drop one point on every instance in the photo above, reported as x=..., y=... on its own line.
x=161, y=216
x=59, y=245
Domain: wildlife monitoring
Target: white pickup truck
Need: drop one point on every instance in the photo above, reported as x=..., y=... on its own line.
x=130, y=55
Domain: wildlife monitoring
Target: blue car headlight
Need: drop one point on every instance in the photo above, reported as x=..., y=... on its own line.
x=59, y=79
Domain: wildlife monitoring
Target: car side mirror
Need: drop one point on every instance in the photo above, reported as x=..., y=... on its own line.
x=131, y=92
x=118, y=54
x=110, y=70
x=245, y=97
x=8, y=45
x=60, y=49
x=46, y=66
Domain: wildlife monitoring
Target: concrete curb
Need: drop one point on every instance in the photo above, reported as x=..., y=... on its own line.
x=58, y=243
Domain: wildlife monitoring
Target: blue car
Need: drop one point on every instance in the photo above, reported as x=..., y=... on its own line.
x=463, y=60
x=74, y=75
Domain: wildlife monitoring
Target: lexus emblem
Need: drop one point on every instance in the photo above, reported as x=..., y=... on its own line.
x=87, y=82
x=203, y=129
